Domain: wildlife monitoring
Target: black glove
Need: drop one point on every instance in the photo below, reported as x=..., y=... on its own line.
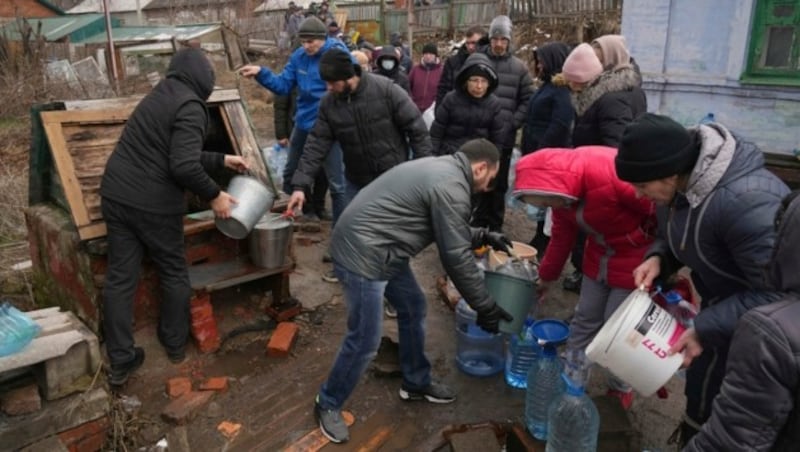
x=497, y=241
x=489, y=318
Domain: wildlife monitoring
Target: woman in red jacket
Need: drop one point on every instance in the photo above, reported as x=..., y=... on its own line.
x=581, y=186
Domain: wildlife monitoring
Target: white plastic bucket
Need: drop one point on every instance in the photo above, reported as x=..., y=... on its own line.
x=633, y=344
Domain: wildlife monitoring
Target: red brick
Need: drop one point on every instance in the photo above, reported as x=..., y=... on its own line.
x=181, y=410
x=229, y=429
x=88, y=437
x=282, y=340
x=282, y=315
x=178, y=386
x=204, y=327
x=21, y=400
x=219, y=384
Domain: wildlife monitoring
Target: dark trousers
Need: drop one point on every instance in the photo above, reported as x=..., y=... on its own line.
x=131, y=233
x=577, y=251
x=489, y=208
x=703, y=381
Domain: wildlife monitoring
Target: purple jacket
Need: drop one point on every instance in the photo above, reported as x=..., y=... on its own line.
x=423, y=81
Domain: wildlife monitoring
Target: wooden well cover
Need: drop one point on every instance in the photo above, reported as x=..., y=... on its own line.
x=81, y=140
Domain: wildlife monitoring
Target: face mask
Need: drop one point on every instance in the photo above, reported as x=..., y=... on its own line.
x=387, y=64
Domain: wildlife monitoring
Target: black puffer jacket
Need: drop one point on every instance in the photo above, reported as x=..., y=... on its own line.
x=396, y=74
x=758, y=407
x=515, y=85
x=605, y=107
x=461, y=117
x=372, y=124
x=452, y=66
x=722, y=229
x=159, y=154
x=411, y=206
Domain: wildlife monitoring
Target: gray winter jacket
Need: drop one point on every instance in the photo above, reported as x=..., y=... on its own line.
x=409, y=207
x=722, y=228
x=757, y=408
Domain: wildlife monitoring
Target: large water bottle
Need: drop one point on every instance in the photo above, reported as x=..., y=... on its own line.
x=478, y=353
x=573, y=422
x=544, y=385
x=276, y=159
x=523, y=349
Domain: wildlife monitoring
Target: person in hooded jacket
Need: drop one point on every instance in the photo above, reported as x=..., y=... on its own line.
x=758, y=407
x=473, y=39
x=158, y=156
x=424, y=77
x=302, y=72
x=470, y=110
x=514, y=89
x=581, y=187
x=550, y=116
x=716, y=205
x=404, y=52
x=387, y=64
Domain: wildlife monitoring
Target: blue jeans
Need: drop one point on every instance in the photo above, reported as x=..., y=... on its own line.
x=333, y=166
x=364, y=300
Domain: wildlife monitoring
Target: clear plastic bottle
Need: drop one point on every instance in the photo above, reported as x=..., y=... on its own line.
x=573, y=422
x=478, y=353
x=276, y=159
x=523, y=349
x=544, y=385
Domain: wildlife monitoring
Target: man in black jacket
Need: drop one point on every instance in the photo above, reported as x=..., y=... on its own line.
x=758, y=407
x=158, y=156
x=453, y=64
x=373, y=119
x=390, y=221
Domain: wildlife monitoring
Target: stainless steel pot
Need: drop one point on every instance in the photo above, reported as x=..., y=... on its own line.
x=269, y=241
x=254, y=200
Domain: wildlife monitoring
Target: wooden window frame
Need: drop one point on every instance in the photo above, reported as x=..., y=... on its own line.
x=755, y=73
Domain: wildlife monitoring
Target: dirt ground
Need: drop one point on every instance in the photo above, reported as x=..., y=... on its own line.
x=272, y=398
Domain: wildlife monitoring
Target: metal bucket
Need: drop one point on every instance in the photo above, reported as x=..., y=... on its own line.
x=269, y=241
x=515, y=295
x=254, y=200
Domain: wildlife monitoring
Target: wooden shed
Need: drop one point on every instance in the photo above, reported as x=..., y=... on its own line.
x=70, y=145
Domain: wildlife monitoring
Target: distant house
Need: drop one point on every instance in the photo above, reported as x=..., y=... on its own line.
x=66, y=29
x=174, y=12
x=11, y=9
x=128, y=12
x=737, y=59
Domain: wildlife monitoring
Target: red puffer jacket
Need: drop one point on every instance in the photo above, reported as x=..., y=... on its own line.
x=619, y=226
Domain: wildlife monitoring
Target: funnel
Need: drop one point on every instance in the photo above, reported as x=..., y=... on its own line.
x=550, y=331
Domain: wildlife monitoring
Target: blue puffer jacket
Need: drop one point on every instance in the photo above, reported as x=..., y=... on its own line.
x=301, y=71
x=722, y=228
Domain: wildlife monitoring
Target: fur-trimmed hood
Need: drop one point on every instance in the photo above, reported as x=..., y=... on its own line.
x=624, y=79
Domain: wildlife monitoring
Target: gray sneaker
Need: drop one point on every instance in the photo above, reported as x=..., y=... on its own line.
x=435, y=393
x=332, y=424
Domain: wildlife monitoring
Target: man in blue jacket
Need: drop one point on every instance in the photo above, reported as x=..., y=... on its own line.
x=302, y=71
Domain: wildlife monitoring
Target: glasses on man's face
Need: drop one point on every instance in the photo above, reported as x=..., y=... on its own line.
x=478, y=81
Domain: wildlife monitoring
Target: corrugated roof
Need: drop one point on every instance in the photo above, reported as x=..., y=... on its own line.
x=56, y=28
x=277, y=5
x=161, y=4
x=115, y=6
x=145, y=34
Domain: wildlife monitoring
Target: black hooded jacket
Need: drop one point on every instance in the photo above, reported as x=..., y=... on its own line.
x=461, y=117
x=550, y=112
x=397, y=74
x=758, y=407
x=159, y=154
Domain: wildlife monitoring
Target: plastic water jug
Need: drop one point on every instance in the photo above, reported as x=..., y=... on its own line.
x=478, y=353
x=523, y=349
x=573, y=422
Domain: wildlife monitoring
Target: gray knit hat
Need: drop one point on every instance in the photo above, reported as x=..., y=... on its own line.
x=312, y=28
x=500, y=27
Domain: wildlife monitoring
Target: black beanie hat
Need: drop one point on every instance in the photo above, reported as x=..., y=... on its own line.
x=430, y=48
x=336, y=65
x=312, y=28
x=654, y=147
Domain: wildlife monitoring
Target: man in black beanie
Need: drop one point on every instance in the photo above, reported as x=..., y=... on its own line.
x=716, y=208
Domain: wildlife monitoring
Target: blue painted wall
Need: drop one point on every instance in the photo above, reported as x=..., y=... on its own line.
x=692, y=54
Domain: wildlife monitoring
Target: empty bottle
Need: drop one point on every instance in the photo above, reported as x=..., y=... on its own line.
x=573, y=422
x=708, y=118
x=478, y=353
x=276, y=159
x=523, y=349
x=544, y=385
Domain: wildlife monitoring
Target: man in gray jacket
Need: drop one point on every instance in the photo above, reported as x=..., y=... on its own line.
x=390, y=221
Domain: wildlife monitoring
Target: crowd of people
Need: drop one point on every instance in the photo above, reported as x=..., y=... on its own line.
x=634, y=197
